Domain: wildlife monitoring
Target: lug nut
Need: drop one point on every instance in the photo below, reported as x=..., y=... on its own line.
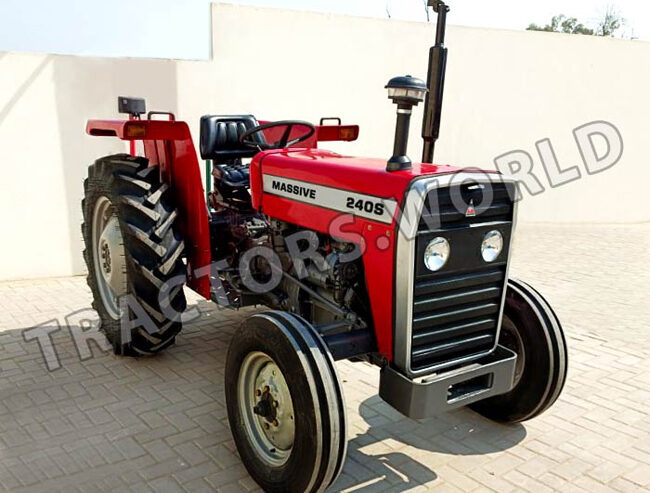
x=258, y=392
x=266, y=426
x=276, y=404
x=276, y=423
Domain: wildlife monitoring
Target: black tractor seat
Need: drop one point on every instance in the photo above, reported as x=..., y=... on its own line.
x=220, y=143
x=220, y=137
x=236, y=175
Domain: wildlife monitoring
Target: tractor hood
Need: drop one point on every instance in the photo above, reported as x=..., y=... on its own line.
x=326, y=179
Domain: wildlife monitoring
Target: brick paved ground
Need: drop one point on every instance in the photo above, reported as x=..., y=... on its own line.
x=109, y=424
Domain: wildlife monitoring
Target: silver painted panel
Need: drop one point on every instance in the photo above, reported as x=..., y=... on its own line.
x=405, y=267
x=358, y=204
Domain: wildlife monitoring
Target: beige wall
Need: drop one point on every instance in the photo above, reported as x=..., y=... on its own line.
x=505, y=91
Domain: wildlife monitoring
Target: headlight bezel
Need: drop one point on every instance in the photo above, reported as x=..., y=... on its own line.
x=492, y=245
x=437, y=253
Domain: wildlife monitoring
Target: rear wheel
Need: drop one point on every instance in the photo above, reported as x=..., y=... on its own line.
x=531, y=329
x=133, y=254
x=285, y=404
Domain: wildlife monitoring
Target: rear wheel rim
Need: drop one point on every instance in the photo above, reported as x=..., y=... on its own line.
x=266, y=408
x=108, y=256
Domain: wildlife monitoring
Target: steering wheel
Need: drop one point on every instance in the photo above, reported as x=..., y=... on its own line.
x=247, y=137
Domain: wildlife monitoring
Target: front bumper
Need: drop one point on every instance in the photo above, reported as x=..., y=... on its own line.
x=434, y=394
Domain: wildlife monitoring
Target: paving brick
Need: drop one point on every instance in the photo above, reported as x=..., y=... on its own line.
x=166, y=485
x=160, y=424
x=129, y=447
x=163, y=469
x=192, y=454
x=639, y=475
x=198, y=485
x=604, y=473
x=159, y=450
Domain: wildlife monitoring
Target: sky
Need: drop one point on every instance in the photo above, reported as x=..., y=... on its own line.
x=506, y=14
x=181, y=28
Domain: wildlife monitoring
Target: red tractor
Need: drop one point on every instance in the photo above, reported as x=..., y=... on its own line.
x=403, y=265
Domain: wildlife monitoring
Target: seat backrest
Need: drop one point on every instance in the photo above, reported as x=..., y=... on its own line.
x=220, y=137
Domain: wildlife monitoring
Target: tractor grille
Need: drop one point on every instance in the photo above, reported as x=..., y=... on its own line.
x=456, y=310
x=455, y=316
x=444, y=207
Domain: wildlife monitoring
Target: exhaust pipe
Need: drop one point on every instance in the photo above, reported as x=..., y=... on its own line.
x=435, y=83
x=405, y=92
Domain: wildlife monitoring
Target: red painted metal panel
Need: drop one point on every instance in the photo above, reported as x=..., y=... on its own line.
x=330, y=133
x=169, y=145
x=324, y=133
x=376, y=240
x=359, y=175
x=131, y=129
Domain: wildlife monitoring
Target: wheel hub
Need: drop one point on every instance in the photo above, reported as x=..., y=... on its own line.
x=111, y=253
x=273, y=406
x=106, y=258
x=267, y=408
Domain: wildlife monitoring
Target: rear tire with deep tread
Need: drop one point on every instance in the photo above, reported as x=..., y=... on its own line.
x=153, y=249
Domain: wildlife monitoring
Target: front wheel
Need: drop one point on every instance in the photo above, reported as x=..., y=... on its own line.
x=285, y=404
x=531, y=329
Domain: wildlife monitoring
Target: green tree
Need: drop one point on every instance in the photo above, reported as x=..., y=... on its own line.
x=572, y=26
x=608, y=25
x=562, y=24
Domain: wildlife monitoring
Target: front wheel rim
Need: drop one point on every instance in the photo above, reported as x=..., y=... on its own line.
x=266, y=408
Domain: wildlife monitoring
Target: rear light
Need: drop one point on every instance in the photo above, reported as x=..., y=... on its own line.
x=135, y=130
x=347, y=133
x=332, y=133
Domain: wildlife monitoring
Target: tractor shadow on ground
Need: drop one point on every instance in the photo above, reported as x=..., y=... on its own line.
x=458, y=433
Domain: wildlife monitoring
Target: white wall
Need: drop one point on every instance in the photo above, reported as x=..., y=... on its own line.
x=505, y=90
x=44, y=103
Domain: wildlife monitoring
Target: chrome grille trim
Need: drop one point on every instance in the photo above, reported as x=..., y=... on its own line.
x=409, y=223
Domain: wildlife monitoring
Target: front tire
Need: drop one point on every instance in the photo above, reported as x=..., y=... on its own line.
x=133, y=254
x=285, y=404
x=530, y=328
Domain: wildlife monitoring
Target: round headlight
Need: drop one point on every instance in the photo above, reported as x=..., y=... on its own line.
x=436, y=253
x=492, y=245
